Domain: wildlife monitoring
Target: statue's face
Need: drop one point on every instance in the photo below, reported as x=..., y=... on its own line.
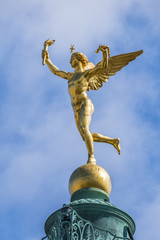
x=73, y=61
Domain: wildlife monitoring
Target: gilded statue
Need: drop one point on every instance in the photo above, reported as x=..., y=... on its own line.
x=87, y=76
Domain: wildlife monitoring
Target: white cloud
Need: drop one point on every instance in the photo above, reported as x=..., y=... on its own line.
x=40, y=145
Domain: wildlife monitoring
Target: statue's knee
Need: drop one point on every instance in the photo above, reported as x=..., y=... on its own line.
x=83, y=131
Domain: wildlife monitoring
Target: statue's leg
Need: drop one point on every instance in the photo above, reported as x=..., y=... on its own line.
x=84, y=122
x=76, y=116
x=101, y=138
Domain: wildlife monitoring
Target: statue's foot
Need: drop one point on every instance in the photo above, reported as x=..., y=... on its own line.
x=91, y=159
x=116, y=144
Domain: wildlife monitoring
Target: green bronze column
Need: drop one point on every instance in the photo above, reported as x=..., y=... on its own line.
x=89, y=215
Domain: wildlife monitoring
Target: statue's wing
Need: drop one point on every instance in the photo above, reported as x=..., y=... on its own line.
x=115, y=64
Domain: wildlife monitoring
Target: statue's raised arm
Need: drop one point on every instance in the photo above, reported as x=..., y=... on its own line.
x=52, y=67
x=104, y=63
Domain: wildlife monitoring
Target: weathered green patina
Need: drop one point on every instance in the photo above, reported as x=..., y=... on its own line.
x=89, y=216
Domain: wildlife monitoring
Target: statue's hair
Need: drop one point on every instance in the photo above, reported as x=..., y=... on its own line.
x=81, y=57
x=84, y=60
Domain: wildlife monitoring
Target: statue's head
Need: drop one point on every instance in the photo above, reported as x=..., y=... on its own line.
x=78, y=56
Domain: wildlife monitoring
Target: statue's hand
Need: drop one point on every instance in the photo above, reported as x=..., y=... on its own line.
x=49, y=42
x=103, y=48
x=45, y=55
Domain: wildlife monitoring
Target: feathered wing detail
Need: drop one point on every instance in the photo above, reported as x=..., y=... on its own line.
x=115, y=64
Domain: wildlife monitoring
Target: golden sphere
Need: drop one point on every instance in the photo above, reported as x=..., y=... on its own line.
x=90, y=176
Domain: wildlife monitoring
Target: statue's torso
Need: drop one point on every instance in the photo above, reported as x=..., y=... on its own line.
x=77, y=87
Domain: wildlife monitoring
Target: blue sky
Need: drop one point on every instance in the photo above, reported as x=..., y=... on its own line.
x=39, y=143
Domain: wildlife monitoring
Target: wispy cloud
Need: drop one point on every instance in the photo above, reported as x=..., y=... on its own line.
x=40, y=145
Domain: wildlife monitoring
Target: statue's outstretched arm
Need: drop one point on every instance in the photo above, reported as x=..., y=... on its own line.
x=100, y=67
x=53, y=68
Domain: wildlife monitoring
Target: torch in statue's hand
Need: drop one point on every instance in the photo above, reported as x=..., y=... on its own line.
x=47, y=43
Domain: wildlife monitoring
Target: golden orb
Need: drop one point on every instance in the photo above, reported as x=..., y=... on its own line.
x=90, y=176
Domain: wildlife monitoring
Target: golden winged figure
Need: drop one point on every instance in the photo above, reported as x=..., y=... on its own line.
x=87, y=76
